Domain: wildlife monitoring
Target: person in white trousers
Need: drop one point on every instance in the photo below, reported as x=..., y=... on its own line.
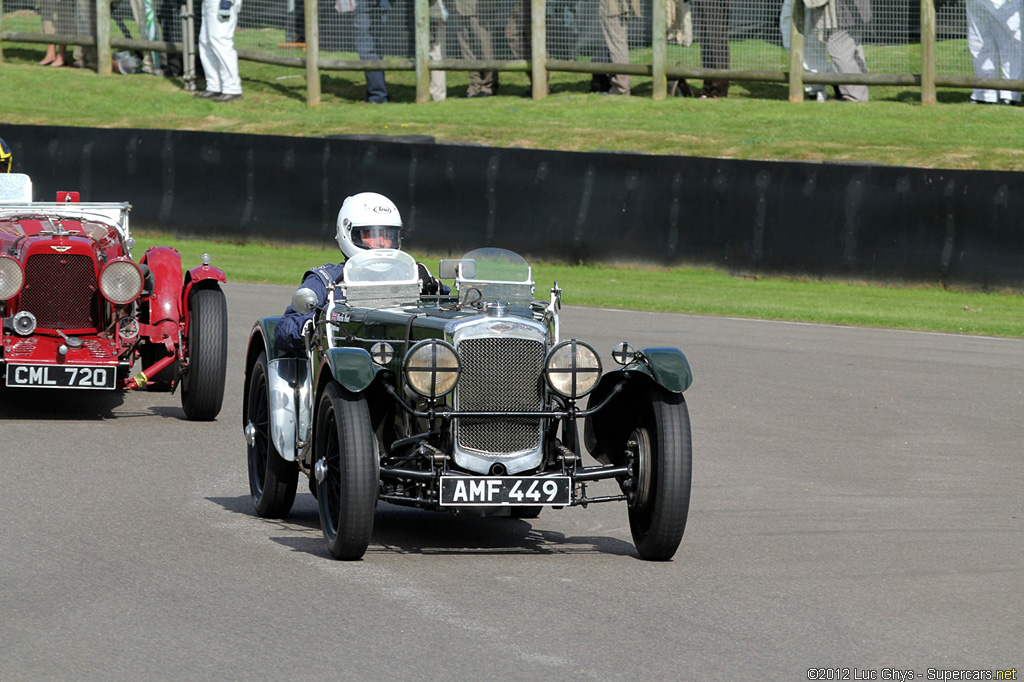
x=993, y=37
x=815, y=60
x=217, y=50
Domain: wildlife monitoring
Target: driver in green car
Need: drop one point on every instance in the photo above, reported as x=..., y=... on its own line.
x=366, y=221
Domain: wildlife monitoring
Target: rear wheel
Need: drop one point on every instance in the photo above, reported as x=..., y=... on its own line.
x=202, y=385
x=272, y=479
x=346, y=472
x=660, y=448
x=526, y=512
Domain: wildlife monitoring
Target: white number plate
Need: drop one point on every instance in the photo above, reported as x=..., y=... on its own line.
x=61, y=376
x=510, y=491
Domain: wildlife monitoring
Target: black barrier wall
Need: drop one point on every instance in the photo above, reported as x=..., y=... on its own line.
x=800, y=218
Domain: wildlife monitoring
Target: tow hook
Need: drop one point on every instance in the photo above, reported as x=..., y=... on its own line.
x=320, y=470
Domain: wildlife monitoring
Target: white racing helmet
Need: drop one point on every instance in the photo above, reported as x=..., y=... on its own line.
x=368, y=221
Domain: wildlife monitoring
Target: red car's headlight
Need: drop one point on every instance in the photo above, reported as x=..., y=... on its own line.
x=121, y=281
x=11, y=277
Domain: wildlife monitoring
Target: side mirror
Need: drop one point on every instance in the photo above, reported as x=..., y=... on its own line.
x=304, y=300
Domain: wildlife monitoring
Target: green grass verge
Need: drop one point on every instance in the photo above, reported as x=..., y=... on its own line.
x=701, y=291
x=755, y=122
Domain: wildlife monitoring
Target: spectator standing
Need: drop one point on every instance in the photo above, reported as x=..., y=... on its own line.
x=295, y=36
x=475, y=24
x=168, y=16
x=85, y=25
x=139, y=14
x=613, y=22
x=518, y=33
x=438, y=39
x=217, y=50
x=54, y=21
x=370, y=14
x=815, y=59
x=712, y=17
x=994, y=40
x=840, y=25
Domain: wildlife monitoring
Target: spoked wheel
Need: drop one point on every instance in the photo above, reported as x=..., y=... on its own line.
x=660, y=448
x=272, y=479
x=202, y=385
x=346, y=471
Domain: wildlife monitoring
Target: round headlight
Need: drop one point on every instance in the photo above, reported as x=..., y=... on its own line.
x=432, y=368
x=572, y=369
x=121, y=281
x=11, y=278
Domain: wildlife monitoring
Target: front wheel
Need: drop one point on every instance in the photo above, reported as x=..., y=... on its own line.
x=660, y=448
x=202, y=385
x=272, y=479
x=346, y=471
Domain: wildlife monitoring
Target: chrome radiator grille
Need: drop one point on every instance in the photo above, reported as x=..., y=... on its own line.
x=60, y=291
x=500, y=374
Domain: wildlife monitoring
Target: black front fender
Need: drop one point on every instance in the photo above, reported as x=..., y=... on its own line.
x=606, y=431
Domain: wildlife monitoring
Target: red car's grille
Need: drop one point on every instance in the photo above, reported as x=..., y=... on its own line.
x=60, y=290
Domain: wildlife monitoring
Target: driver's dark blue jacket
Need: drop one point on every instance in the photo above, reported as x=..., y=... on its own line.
x=288, y=334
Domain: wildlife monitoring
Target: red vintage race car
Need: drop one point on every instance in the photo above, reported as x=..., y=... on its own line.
x=79, y=313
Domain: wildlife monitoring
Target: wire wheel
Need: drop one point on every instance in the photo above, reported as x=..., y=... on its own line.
x=272, y=479
x=346, y=471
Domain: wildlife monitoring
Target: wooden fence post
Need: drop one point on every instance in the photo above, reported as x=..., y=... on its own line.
x=421, y=22
x=104, y=67
x=796, y=52
x=312, y=19
x=928, y=52
x=539, y=47
x=659, y=48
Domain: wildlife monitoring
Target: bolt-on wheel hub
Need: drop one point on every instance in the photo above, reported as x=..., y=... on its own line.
x=638, y=451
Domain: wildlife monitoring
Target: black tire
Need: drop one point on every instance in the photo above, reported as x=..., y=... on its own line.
x=661, y=486
x=272, y=479
x=526, y=512
x=344, y=445
x=202, y=385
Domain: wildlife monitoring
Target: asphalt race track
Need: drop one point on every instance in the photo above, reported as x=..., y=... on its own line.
x=858, y=504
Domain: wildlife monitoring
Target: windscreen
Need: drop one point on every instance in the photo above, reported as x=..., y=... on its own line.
x=498, y=265
x=379, y=266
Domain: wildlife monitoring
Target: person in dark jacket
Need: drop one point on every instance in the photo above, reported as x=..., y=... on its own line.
x=366, y=221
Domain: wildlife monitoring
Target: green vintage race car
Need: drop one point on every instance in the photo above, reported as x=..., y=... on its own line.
x=467, y=402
